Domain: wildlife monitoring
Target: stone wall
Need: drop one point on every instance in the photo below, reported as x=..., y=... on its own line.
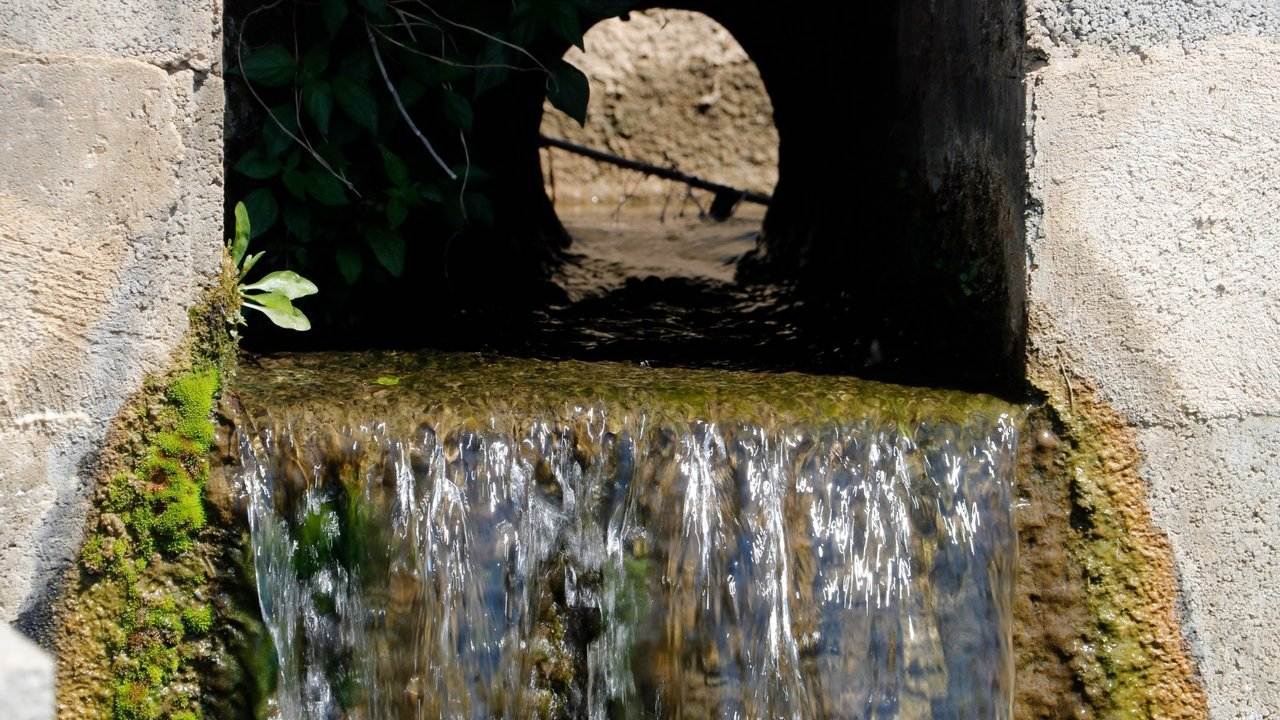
x=1153, y=249
x=110, y=228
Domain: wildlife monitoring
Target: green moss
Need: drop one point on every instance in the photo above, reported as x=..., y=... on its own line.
x=197, y=621
x=158, y=507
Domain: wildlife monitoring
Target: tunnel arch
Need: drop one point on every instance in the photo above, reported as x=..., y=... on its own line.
x=899, y=197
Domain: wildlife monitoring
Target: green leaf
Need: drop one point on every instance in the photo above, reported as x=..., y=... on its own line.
x=317, y=98
x=284, y=282
x=457, y=109
x=349, y=263
x=314, y=63
x=272, y=66
x=263, y=210
x=397, y=171
x=250, y=261
x=298, y=219
x=274, y=140
x=243, y=228
x=296, y=182
x=257, y=165
x=491, y=72
x=479, y=210
x=357, y=102
x=564, y=21
x=375, y=7
x=388, y=248
x=334, y=13
x=279, y=310
x=569, y=91
x=397, y=212
x=325, y=188
x=387, y=380
x=430, y=193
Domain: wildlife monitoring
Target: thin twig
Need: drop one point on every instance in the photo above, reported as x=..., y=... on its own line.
x=373, y=43
x=466, y=175
x=479, y=32
x=254, y=92
x=446, y=61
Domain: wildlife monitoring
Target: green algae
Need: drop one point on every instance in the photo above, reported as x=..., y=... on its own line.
x=154, y=624
x=474, y=389
x=1131, y=660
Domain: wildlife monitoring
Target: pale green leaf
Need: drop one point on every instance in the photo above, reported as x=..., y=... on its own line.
x=285, y=282
x=241, y=242
x=250, y=261
x=279, y=310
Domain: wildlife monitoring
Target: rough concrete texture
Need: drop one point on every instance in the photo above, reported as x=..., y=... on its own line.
x=26, y=678
x=168, y=33
x=111, y=227
x=1059, y=26
x=1154, y=272
x=672, y=88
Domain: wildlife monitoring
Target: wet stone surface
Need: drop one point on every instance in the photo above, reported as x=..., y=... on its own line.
x=461, y=536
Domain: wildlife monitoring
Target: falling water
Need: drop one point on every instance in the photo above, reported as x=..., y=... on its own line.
x=448, y=537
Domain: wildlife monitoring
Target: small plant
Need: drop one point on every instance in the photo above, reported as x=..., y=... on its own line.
x=274, y=294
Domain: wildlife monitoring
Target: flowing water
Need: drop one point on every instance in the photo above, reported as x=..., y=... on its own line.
x=450, y=536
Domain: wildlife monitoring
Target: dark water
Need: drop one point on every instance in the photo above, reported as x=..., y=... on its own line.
x=455, y=537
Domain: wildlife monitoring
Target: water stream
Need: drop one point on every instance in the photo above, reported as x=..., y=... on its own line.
x=448, y=536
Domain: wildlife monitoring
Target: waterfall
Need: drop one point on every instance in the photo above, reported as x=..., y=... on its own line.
x=461, y=538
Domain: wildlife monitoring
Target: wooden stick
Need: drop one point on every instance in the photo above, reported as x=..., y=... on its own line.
x=656, y=171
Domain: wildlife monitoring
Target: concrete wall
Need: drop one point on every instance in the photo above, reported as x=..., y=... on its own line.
x=1153, y=247
x=110, y=227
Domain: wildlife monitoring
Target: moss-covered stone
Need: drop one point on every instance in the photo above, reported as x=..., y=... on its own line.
x=154, y=610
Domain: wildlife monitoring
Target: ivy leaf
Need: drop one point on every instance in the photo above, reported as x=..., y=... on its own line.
x=298, y=220
x=564, y=20
x=272, y=66
x=430, y=193
x=285, y=282
x=257, y=165
x=569, y=91
x=349, y=263
x=263, y=210
x=457, y=109
x=492, y=71
x=397, y=212
x=317, y=98
x=279, y=309
x=357, y=102
x=326, y=188
x=334, y=12
x=479, y=209
x=314, y=63
x=397, y=172
x=388, y=248
x=296, y=182
x=375, y=7
x=241, y=242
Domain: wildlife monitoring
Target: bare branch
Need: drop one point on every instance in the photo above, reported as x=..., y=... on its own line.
x=479, y=32
x=404, y=112
x=254, y=92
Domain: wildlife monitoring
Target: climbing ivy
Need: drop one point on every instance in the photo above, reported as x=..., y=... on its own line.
x=359, y=140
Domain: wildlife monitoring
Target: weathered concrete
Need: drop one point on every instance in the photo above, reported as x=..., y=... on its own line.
x=111, y=227
x=1153, y=245
x=26, y=678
